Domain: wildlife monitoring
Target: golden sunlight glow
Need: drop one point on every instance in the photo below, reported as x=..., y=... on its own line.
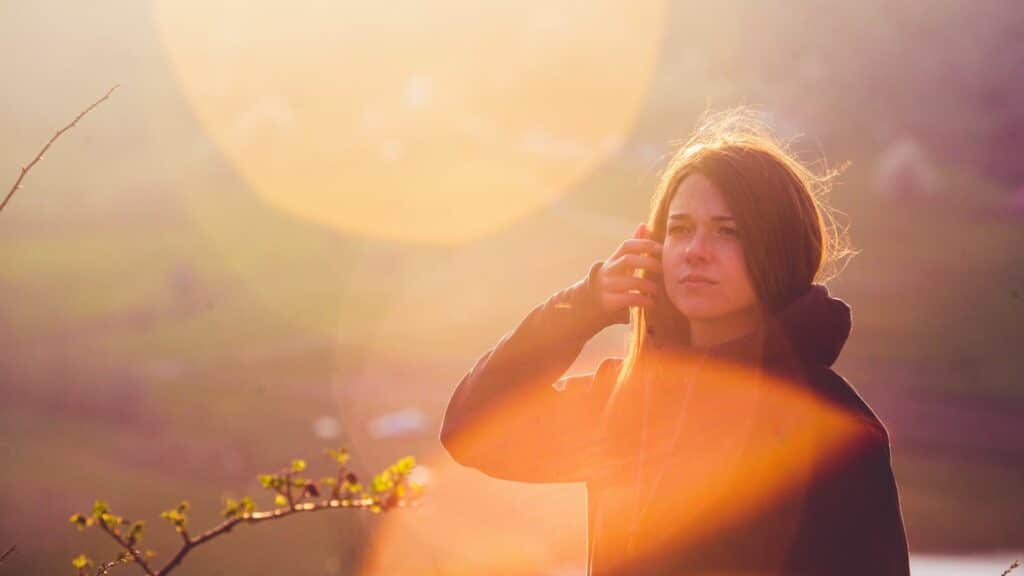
x=795, y=436
x=469, y=524
x=474, y=525
x=408, y=121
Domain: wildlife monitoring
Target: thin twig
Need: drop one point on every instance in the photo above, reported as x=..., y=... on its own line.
x=256, y=517
x=6, y=554
x=136, y=555
x=288, y=489
x=104, y=568
x=1012, y=567
x=26, y=168
x=389, y=492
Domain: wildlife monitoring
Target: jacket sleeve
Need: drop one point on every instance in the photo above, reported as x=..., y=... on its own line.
x=861, y=524
x=886, y=545
x=513, y=416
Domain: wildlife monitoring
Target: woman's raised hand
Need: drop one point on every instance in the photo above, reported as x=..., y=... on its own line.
x=618, y=286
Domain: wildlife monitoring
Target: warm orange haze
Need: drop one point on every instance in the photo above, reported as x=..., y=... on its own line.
x=717, y=488
x=419, y=108
x=296, y=226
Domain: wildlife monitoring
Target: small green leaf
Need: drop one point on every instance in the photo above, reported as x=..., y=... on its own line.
x=383, y=482
x=298, y=465
x=100, y=508
x=176, y=517
x=340, y=455
x=135, y=532
x=405, y=465
x=280, y=500
x=81, y=561
x=231, y=508
x=111, y=521
x=79, y=521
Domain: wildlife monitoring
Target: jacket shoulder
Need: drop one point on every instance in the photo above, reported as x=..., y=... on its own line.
x=837, y=390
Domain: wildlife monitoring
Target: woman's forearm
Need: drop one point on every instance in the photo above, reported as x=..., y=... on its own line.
x=496, y=409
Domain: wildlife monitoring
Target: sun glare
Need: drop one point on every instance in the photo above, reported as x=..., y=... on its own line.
x=407, y=121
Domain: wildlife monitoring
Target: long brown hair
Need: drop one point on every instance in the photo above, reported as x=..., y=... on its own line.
x=789, y=233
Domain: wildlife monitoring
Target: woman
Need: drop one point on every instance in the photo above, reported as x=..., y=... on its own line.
x=723, y=443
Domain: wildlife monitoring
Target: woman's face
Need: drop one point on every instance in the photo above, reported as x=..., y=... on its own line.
x=701, y=239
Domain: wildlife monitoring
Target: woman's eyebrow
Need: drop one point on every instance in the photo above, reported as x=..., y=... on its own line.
x=685, y=216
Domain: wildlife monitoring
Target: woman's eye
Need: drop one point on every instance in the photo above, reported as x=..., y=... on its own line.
x=687, y=229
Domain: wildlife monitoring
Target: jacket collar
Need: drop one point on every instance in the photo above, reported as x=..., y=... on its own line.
x=812, y=329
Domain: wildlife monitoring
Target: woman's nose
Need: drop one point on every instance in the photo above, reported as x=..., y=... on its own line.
x=698, y=248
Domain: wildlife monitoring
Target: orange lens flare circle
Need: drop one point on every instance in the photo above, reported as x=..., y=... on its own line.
x=408, y=122
x=750, y=446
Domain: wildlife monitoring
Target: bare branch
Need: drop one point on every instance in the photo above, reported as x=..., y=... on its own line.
x=136, y=555
x=39, y=156
x=6, y=554
x=256, y=517
x=104, y=568
x=392, y=488
x=288, y=489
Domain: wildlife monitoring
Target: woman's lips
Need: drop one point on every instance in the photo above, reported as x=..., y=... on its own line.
x=696, y=282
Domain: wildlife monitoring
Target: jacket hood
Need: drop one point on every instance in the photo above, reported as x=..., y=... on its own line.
x=813, y=328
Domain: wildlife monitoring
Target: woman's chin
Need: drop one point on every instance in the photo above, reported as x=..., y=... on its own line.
x=697, y=307
x=694, y=311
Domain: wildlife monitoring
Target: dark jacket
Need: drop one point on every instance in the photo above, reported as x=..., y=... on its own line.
x=773, y=465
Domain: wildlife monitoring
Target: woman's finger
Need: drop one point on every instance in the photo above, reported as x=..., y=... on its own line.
x=630, y=262
x=625, y=283
x=638, y=246
x=624, y=299
x=642, y=231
